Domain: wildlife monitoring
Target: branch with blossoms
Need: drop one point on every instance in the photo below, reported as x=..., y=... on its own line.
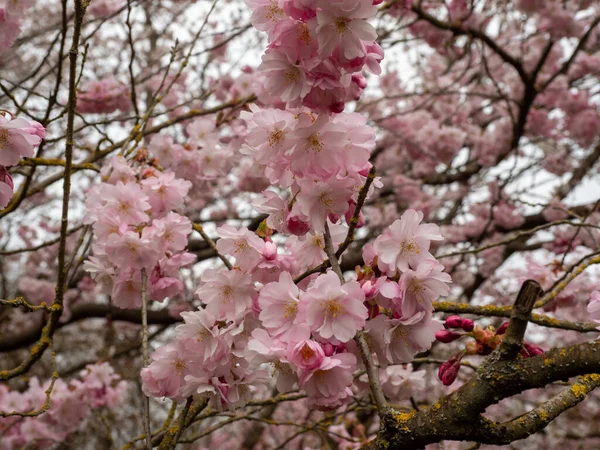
x=229, y=221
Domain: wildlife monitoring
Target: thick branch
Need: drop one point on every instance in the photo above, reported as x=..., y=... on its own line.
x=457, y=416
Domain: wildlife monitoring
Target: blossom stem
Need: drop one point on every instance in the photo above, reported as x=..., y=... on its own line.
x=361, y=341
x=145, y=354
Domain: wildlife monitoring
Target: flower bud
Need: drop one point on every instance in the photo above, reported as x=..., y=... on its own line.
x=446, y=336
x=307, y=355
x=328, y=348
x=502, y=329
x=454, y=322
x=467, y=325
x=337, y=108
x=368, y=287
x=449, y=370
x=296, y=226
x=531, y=350
x=350, y=213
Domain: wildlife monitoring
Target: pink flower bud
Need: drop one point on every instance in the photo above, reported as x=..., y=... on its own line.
x=449, y=370
x=454, y=322
x=350, y=213
x=369, y=288
x=360, y=81
x=37, y=129
x=296, y=226
x=446, y=336
x=467, y=325
x=328, y=348
x=270, y=251
x=531, y=350
x=307, y=355
x=337, y=108
x=6, y=178
x=365, y=172
x=502, y=329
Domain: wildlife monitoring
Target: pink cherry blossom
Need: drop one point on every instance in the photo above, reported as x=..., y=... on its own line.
x=342, y=24
x=164, y=377
x=397, y=340
x=241, y=243
x=318, y=199
x=227, y=293
x=327, y=384
x=334, y=310
x=132, y=250
x=283, y=78
x=16, y=140
x=422, y=287
x=201, y=327
x=165, y=192
x=406, y=242
x=279, y=302
x=169, y=233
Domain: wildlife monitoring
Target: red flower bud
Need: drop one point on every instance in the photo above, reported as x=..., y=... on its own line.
x=449, y=370
x=467, y=325
x=531, y=350
x=296, y=226
x=454, y=322
x=502, y=329
x=446, y=336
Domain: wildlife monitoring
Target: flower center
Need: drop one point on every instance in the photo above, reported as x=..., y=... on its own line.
x=303, y=33
x=326, y=201
x=275, y=137
x=4, y=138
x=273, y=11
x=317, y=241
x=409, y=247
x=290, y=308
x=241, y=245
x=416, y=289
x=179, y=366
x=314, y=143
x=307, y=352
x=202, y=334
x=400, y=333
x=341, y=24
x=332, y=307
x=226, y=293
x=290, y=76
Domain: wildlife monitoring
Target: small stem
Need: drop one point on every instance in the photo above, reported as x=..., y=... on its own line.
x=335, y=265
x=145, y=355
x=361, y=340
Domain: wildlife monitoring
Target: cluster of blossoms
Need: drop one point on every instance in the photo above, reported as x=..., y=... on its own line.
x=255, y=319
x=102, y=97
x=18, y=138
x=485, y=342
x=71, y=405
x=137, y=229
x=11, y=13
x=317, y=50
